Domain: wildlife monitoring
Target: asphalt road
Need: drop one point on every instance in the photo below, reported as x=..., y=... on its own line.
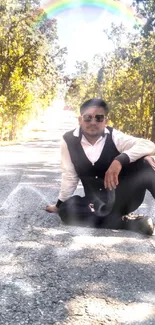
x=54, y=274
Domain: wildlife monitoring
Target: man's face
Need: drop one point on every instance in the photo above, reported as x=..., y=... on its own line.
x=93, y=121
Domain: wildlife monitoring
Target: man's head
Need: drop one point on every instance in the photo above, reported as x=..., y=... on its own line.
x=93, y=117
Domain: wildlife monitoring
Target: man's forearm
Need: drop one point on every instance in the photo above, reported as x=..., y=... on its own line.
x=68, y=187
x=134, y=148
x=123, y=158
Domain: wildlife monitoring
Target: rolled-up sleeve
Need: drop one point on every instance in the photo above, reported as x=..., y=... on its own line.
x=135, y=148
x=70, y=178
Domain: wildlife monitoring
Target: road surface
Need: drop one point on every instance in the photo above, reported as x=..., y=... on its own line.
x=54, y=274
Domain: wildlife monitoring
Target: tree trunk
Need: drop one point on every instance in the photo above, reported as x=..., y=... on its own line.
x=12, y=133
x=153, y=128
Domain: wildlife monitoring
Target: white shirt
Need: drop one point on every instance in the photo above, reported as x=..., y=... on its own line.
x=135, y=148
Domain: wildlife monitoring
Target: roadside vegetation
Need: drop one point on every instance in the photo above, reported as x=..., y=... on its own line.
x=125, y=77
x=31, y=64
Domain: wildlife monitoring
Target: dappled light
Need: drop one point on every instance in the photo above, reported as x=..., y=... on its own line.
x=51, y=232
x=102, y=310
x=24, y=287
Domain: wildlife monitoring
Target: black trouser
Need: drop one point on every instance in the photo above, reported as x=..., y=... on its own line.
x=129, y=194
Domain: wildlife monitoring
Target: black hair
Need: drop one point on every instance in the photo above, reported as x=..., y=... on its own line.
x=94, y=102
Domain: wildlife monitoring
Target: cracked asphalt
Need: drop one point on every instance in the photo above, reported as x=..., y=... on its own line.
x=54, y=274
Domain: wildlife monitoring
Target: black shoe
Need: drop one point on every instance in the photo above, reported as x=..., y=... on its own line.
x=138, y=223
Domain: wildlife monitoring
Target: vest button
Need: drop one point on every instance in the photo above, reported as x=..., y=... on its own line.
x=96, y=176
x=100, y=189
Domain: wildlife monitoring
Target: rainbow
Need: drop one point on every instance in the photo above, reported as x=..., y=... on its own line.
x=53, y=8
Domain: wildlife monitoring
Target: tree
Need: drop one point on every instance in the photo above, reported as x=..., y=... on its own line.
x=31, y=61
x=125, y=78
x=147, y=11
x=78, y=85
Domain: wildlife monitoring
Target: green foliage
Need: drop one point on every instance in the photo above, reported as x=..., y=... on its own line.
x=127, y=82
x=31, y=62
x=146, y=9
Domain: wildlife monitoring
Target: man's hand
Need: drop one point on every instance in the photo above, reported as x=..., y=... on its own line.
x=51, y=209
x=150, y=161
x=111, y=175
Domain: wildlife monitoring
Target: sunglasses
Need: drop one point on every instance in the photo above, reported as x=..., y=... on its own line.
x=97, y=117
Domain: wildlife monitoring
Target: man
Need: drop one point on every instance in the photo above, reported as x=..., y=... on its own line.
x=115, y=171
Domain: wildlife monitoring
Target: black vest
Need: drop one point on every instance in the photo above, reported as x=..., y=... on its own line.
x=91, y=175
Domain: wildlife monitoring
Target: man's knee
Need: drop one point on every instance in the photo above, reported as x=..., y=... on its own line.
x=69, y=209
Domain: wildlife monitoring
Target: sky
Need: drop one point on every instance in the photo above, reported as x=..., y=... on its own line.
x=81, y=31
